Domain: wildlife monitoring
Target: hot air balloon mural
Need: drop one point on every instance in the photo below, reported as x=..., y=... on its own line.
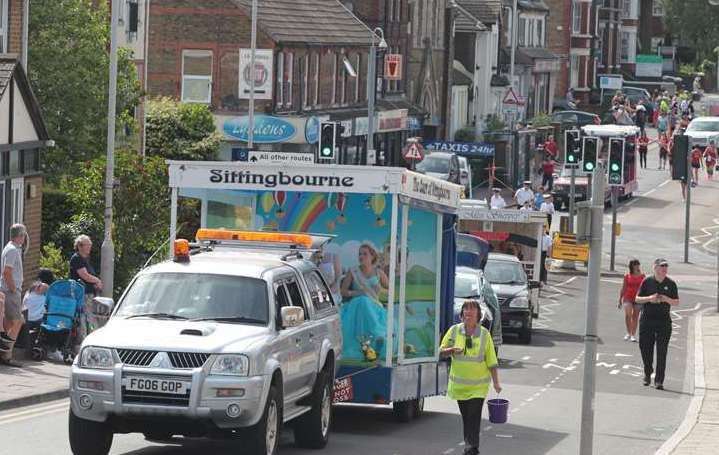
x=267, y=201
x=377, y=203
x=280, y=197
x=340, y=204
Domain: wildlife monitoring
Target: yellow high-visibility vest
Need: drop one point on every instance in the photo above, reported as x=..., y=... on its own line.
x=469, y=374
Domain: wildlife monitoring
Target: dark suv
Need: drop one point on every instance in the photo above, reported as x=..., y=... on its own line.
x=510, y=283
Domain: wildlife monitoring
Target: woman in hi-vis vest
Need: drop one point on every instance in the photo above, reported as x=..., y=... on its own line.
x=473, y=364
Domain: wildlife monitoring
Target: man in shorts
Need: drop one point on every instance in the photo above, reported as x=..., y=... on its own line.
x=11, y=285
x=696, y=160
x=710, y=158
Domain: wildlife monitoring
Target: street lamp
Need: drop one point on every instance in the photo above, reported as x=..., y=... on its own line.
x=371, y=87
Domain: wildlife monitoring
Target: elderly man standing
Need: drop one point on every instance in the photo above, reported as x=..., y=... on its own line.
x=11, y=285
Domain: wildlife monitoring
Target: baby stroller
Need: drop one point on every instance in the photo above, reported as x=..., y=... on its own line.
x=65, y=301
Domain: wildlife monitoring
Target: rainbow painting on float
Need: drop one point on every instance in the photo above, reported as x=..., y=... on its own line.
x=304, y=212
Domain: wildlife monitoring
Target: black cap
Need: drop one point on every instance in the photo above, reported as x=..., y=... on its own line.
x=661, y=261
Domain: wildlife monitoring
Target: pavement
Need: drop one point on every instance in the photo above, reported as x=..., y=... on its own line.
x=34, y=382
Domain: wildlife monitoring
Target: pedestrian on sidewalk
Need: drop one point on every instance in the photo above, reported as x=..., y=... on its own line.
x=546, y=252
x=5, y=340
x=662, y=124
x=82, y=270
x=628, y=298
x=663, y=151
x=548, y=208
x=657, y=294
x=550, y=147
x=548, y=173
x=696, y=159
x=710, y=159
x=10, y=285
x=473, y=362
x=34, y=307
x=643, y=149
x=524, y=194
x=497, y=201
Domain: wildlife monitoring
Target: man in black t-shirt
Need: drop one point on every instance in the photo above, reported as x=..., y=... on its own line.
x=658, y=294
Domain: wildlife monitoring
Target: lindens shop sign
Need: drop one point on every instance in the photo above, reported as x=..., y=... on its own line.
x=268, y=129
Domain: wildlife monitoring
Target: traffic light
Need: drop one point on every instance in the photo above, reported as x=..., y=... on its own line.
x=328, y=139
x=572, y=147
x=680, y=150
x=615, y=166
x=590, y=146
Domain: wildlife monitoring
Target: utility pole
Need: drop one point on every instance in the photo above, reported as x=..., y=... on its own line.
x=572, y=195
x=614, y=224
x=107, y=252
x=515, y=19
x=687, y=221
x=592, y=311
x=251, y=109
x=371, y=90
x=25, y=32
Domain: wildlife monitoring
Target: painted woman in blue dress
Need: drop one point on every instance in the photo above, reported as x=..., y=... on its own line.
x=364, y=318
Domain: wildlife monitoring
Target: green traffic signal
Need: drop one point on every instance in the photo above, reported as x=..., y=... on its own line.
x=570, y=158
x=589, y=166
x=615, y=167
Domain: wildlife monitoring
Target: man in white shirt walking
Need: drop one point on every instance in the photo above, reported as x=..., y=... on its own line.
x=546, y=250
x=548, y=208
x=11, y=276
x=524, y=194
x=497, y=201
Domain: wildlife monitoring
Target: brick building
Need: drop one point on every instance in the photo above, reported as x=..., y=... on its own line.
x=23, y=136
x=609, y=36
x=314, y=68
x=643, y=32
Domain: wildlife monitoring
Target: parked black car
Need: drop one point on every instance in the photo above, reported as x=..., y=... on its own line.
x=509, y=281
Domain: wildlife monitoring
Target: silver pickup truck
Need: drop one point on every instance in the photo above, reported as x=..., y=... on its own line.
x=231, y=341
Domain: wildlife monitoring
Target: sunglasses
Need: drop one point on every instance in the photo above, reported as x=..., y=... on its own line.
x=664, y=265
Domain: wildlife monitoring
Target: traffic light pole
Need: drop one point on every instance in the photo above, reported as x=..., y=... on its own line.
x=614, y=225
x=586, y=440
x=572, y=190
x=687, y=220
x=251, y=107
x=371, y=90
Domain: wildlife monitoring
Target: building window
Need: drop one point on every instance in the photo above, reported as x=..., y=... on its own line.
x=280, y=68
x=3, y=25
x=335, y=74
x=358, y=78
x=288, y=69
x=196, y=76
x=316, y=78
x=343, y=82
x=574, y=71
x=539, y=29
x=305, y=80
x=576, y=17
x=522, y=26
x=628, y=46
x=658, y=8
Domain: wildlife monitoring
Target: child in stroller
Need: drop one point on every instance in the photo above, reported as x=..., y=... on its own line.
x=65, y=302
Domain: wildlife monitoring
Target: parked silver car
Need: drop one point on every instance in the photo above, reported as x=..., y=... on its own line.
x=234, y=341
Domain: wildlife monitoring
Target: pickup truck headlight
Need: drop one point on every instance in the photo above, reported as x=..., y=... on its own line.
x=231, y=365
x=96, y=358
x=519, y=302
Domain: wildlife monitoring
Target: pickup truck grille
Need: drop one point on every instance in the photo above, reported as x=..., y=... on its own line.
x=136, y=357
x=180, y=360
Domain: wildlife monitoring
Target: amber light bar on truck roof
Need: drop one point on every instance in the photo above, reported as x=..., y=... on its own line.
x=301, y=240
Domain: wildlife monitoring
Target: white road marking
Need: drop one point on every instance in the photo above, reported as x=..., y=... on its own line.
x=35, y=411
x=649, y=192
x=664, y=183
x=564, y=283
x=504, y=436
x=526, y=357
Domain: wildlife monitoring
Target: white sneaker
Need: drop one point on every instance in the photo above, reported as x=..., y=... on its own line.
x=626, y=337
x=634, y=339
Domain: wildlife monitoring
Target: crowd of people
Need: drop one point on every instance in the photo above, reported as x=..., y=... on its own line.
x=21, y=316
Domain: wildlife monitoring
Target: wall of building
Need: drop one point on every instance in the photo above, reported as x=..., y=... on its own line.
x=559, y=27
x=14, y=23
x=32, y=218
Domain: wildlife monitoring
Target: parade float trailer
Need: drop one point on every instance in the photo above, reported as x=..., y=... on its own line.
x=407, y=219
x=515, y=232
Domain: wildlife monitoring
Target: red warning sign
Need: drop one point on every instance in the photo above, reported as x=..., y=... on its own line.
x=414, y=152
x=393, y=67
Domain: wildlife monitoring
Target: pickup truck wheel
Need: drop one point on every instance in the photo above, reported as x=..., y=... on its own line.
x=312, y=430
x=403, y=410
x=264, y=438
x=88, y=437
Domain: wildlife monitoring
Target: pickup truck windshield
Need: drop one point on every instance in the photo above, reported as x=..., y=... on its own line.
x=704, y=127
x=438, y=164
x=504, y=272
x=196, y=297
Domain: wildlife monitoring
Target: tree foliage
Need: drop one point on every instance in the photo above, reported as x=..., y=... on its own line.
x=141, y=209
x=181, y=131
x=69, y=71
x=694, y=21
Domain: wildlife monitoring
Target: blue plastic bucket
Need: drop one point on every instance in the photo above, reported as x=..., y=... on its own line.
x=498, y=408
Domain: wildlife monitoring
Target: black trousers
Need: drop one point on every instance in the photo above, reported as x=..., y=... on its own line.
x=548, y=181
x=543, y=268
x=471, y=411
x=643, y=159
x=653, y=332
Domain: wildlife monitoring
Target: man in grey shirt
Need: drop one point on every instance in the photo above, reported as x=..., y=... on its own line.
x=11, y=285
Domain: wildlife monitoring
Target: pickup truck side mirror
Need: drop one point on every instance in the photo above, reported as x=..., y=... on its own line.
x=292, y=316
x=102, y=306
x=533, y=284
